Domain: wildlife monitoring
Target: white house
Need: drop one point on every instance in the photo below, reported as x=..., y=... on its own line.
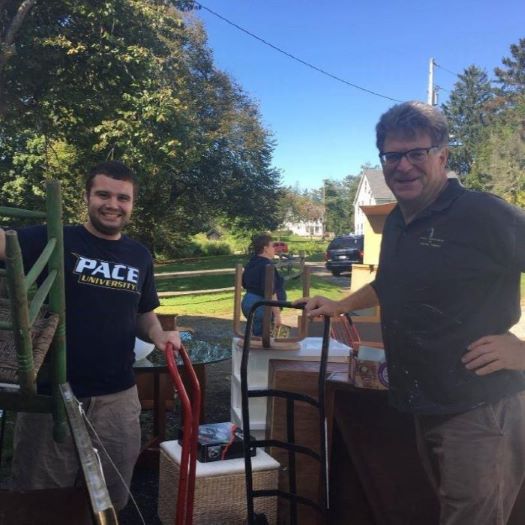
x=311, y=228
x=372, y=190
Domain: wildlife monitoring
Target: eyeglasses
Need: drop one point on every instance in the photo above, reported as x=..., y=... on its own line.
x=414, y=156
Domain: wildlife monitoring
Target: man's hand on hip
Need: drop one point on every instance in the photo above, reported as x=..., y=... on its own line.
x=495, y=352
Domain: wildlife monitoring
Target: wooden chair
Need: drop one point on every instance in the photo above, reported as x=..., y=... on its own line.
x=265, y=341
x=28, y=328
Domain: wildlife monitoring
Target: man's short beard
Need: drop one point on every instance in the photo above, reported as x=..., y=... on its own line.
x=106, y=230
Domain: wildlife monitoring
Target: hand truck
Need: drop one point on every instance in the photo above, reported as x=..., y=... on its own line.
x=289, y=445
x=190, y=415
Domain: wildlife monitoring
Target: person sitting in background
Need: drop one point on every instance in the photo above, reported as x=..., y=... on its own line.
x=253, y=281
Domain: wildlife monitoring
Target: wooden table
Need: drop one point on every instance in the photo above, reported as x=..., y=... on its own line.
x=376, y=475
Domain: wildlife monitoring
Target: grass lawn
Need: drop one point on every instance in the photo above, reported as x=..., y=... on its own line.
x=205, y=282
x=202, y=263
x=221, y=304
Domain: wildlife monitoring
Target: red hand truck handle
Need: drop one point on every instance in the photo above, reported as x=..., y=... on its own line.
x=190, y=413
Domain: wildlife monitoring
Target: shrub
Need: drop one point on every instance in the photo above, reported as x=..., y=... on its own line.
x=216, y=248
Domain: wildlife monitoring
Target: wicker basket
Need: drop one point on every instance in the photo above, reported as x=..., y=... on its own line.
x=220, y=488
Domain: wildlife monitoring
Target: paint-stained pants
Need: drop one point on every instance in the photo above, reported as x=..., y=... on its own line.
x=476, y=460
x=40, y=463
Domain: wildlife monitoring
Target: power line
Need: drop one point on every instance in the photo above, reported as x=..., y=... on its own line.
x=293, y=57
x=445, y=69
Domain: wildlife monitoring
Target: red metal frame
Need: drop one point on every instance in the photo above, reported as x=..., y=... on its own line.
x=190, y=413
x=344, y=331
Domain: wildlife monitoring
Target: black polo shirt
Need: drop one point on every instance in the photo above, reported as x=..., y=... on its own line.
x=446, y=279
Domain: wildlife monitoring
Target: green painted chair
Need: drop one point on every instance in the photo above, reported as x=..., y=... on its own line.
x=30, y=329
x=30, y=326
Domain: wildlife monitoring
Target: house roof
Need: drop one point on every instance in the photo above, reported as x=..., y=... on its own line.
x=380, y=191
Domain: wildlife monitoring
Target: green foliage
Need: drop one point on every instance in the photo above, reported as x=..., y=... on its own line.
x=296, y=206
x=466, y=112
x=310, y=247
x=488, y=128
x=500, y=166
x=511, y=76
x=130, y=80
x=339, y=203
x=216, y=248
x=332, y=203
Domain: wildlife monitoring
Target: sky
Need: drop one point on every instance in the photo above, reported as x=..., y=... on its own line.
x=323, y=128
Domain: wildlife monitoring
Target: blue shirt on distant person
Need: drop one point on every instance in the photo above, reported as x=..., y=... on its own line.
x=253, y=281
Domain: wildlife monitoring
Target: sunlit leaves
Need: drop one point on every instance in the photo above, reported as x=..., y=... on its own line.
x=128, y=79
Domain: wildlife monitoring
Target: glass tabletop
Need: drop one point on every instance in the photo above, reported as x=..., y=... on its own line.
x=200, y=352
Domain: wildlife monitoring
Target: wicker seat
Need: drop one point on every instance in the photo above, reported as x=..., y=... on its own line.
x=42, y=333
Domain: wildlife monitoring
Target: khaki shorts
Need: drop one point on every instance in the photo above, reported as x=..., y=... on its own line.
x=41, y=463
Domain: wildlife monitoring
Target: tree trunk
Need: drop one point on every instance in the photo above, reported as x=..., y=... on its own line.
x=7, y=46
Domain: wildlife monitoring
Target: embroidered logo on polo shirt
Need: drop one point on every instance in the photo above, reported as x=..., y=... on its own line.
x=106, y=274
x=430, y=240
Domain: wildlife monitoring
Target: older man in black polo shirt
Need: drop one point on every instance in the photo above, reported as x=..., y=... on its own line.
x=448, y=285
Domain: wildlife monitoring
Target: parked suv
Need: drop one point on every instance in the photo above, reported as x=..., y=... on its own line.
x=342, y=252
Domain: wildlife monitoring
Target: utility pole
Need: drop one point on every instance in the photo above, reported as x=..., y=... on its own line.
x=431, y=93
x=323, y=219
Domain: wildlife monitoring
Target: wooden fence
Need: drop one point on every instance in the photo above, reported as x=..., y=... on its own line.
x=285, y=265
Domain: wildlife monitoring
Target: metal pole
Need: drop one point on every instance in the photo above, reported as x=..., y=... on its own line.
x=430, y=89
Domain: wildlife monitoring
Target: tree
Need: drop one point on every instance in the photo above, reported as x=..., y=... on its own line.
x=299, y=207
x=500, y=154
x=339, y=197
x=511, y=77
x=500, y=164
x=131, y=80
x=12, y=17
x=467, y=114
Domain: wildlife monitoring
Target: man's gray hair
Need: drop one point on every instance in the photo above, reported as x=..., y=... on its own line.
x=409, y=119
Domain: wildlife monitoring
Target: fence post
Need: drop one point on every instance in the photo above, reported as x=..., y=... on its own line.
x=237, y=299
x=268, y=293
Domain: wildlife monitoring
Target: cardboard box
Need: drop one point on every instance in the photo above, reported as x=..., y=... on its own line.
x=368, y=368
x=218, y=441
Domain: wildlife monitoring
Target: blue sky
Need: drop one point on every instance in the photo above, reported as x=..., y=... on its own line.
x=323, y=128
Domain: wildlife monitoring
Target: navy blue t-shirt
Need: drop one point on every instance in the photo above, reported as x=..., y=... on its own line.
x=447, y=278
x=254, y=276
x=108, y=282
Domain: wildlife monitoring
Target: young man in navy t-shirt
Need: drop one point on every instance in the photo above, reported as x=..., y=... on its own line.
x=110, y=299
